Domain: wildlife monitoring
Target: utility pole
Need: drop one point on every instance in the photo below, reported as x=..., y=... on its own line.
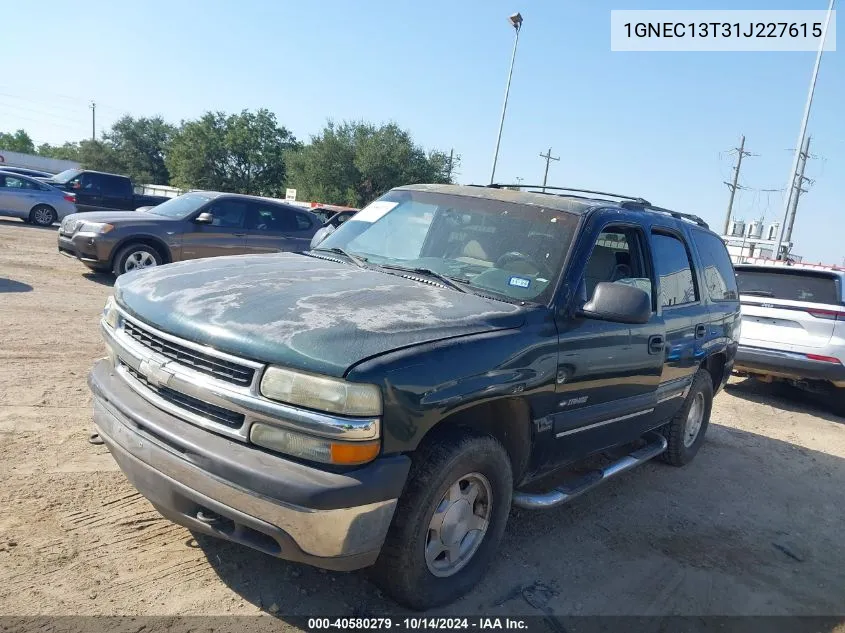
x=93, y=107
x=803, y=131
x=449, y=168
x=548, y=156
x=733, y=186
x=796, y=191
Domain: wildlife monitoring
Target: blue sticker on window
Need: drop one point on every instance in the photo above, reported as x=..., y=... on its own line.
x=519, y=282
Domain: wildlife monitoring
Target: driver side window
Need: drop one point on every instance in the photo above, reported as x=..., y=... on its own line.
x=617, y=257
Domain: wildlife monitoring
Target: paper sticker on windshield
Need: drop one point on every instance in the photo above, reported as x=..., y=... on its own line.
x=519, y=282
x=374, y=211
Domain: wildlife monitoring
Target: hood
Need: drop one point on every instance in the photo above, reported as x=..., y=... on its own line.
x=303, y=312
x=121, y=217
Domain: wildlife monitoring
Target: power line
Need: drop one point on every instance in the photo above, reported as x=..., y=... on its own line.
x=548, y=156
x=740, y=153
x=30, y=110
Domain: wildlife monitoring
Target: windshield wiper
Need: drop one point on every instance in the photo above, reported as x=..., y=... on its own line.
x=355, y=259
x=446, y=281
x=757, y=293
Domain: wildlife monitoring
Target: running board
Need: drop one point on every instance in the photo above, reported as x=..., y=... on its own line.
x=539, y=501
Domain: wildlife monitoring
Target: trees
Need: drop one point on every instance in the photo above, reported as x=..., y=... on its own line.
x=240, y=153
x=18, y=141
x=140, y=147
x=352, y=163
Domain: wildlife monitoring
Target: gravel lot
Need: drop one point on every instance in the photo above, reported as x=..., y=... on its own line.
x=753, y=526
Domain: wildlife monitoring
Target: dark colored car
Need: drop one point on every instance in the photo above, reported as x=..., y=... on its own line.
x=194, y=225
x=446, y=353
x=32, y=173
x=99, y=191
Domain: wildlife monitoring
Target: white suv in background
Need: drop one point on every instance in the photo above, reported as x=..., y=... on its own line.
x=793, y=327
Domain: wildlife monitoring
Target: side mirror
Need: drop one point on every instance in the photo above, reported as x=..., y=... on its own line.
x=204, y=218
x=619, y=303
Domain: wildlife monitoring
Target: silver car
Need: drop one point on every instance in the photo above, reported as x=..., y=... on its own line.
x=33, y=201
x=793, y=327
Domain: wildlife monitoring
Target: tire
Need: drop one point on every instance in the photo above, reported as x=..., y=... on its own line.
x=43, y=215
x=682, y=449
x=836, y=401
x=455, y=457
x=136, y=256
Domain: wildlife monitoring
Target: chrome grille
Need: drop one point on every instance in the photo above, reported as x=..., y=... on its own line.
x=196, y=360
x=231, y=419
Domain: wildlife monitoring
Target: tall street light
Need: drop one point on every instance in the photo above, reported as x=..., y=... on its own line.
x=516, y=22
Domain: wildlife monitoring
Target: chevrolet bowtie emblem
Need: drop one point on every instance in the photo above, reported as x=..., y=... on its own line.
x=155, y=373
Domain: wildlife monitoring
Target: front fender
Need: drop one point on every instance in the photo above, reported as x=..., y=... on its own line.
x=424, y=385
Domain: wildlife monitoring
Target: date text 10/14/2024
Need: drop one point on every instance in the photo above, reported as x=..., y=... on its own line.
x=417, y=623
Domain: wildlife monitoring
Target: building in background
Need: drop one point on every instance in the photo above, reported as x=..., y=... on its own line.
x=30, y=161
x=754, y=241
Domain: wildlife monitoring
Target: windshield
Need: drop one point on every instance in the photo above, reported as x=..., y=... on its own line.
x=180, y=207
x=490, y=247
x=64, y=176
x=792, y=285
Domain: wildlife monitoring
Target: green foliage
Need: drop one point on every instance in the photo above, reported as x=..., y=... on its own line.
x=67, y=151
x=140, y=146
x=353, y=163
x=240, y=153
x=18, y=141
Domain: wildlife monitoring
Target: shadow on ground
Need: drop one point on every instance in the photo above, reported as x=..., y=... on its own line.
x=10, y=285
x=17, y=222
x=784, y=396
x=751, y=527
x=104, y=279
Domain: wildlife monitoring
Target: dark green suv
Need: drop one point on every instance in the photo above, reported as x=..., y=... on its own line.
x=386, y=398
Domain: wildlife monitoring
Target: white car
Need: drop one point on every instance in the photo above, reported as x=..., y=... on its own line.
x=793, y=327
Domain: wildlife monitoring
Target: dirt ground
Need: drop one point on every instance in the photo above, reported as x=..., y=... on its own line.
x=752, y=526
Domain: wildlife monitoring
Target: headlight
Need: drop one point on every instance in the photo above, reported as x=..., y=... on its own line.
x=95, y=227
x=313, y=448
x=321, y=393
x=110, y=312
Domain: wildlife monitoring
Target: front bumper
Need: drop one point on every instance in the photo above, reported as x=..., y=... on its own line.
x=788, y=365
x=224, y=488
x=88, y=248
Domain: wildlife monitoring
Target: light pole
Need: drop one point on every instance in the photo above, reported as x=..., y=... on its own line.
x=793, y=172
x=516, y=22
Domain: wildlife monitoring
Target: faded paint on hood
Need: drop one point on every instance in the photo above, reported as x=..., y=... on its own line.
x=303, y=312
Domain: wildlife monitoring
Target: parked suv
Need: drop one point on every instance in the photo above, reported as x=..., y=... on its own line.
x=447, y=352
x=793, y=327
x=194, y=225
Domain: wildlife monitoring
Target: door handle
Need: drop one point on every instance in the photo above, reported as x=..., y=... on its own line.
x=239, y=234
x=700, y=330
x=655, y=344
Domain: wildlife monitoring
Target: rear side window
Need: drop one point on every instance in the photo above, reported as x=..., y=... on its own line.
x=791, y=285
x=674, y=270
x=111, y=186
x=718, y=271
x=303, y=222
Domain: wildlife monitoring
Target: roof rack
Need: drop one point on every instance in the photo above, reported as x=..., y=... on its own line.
x=573, y=189
x=689, y=217
x=628, y=202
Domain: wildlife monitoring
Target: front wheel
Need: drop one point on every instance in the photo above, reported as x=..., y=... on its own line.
x=43, y=215
x=449, y=521
x=135, y=257
x=685, y=432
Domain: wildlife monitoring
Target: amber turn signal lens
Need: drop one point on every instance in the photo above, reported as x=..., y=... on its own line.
x=354, y=453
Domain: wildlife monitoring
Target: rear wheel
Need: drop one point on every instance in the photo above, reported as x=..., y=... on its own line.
x=449, y=521
x=43, y=215
x=136, y=257
x=685, y=432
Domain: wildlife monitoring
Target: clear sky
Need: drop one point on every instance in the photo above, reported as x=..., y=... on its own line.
x=656, y=125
